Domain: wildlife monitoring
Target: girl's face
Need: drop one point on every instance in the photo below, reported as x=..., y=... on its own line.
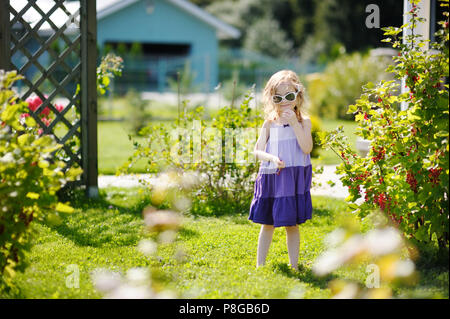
x=282, y=89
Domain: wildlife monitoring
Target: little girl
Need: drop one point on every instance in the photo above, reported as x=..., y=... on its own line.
x=282, y=187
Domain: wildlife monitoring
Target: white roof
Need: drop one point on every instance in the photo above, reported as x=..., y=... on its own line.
x=107, y=7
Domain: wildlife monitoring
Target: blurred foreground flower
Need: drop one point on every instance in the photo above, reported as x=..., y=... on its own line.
x=140, y=283
x=171, y=186
x=135, y=285
x=160, y=220
x=147, y=247
x=383, y=248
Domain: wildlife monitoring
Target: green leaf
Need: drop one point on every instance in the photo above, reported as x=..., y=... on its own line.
x=54, y=219
x=44, y=141
x=63, y=208
x=412, y=204
x=349, y=198
x=73, y=172
x=32, y=195
x=43, y=164
x=352, y=108
x=30, y=122
x=24, y=139
x=105, y=81
x=9, y=113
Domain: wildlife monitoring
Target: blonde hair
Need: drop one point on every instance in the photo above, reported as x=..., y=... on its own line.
x=272, y=110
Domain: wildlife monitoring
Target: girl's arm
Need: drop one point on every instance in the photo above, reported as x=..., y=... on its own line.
x=303, y=134
x=260, y=146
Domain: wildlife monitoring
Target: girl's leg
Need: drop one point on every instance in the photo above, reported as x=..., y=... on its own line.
x=264, y=240
x=293, y=245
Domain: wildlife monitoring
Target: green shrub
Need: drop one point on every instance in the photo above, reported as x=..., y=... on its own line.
x=315, y=129
x=186, y=82
x=232, y=88
x=341, y=82
x=29, y=180
x=228, y=183
x=137, y=111
x=406, y=171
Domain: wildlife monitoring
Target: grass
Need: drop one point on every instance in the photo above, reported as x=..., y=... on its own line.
x=114, y=148
x=220, y=253
x=328, y=157
x=119, y=107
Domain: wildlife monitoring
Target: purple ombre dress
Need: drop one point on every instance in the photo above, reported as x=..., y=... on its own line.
x=284, y=199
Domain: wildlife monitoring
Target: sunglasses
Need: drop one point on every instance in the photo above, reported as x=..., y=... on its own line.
x=290, y=96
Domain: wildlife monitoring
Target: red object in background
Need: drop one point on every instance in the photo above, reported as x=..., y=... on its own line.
x=34, y=103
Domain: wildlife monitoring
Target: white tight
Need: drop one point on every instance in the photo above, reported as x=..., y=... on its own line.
x=292, y=241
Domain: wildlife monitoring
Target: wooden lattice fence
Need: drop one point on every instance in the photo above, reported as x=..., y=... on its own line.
x=54, y=45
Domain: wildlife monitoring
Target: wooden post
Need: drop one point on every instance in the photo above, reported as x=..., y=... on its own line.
x=5, y=41
x=89, y=96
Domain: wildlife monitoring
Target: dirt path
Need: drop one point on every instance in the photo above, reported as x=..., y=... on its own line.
x=338, y=191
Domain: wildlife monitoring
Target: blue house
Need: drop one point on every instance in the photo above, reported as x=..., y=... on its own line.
x=171, y=33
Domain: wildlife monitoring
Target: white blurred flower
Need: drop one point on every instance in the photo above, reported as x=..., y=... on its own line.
x=404, y=268
x=352, y=247
x=165, y=180
x=161, y=220
x=383, y=241
x=336, y=257
x=105, y=280
x=138, y=276
x=166, y=294
x=350, y=291
x=182, y=203
x=8, y=157
x=147, y=247
x=127, y=291
x=167, y=236
x=297, y=292
x=194, y=292
x=335, y=238
x=327, y=262
x=189, y=179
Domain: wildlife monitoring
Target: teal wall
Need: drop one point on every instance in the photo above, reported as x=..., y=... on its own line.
x=166, y=24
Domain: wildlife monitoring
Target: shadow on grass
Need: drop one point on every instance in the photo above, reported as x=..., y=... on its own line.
x=322, y=212
x=103, y=221
x=433, y=264
x=78, y=200
x=187, y=233
x=304, y=274
x=12, y=293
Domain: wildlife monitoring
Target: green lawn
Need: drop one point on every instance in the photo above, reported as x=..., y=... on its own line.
x=114, y=147
x=328, y=157
x=120, y=107
x=220, y=253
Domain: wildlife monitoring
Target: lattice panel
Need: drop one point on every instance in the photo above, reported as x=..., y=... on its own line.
x=46, y=49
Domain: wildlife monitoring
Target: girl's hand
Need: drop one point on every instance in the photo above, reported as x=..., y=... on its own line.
x=288, y=115
x=279, y=163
